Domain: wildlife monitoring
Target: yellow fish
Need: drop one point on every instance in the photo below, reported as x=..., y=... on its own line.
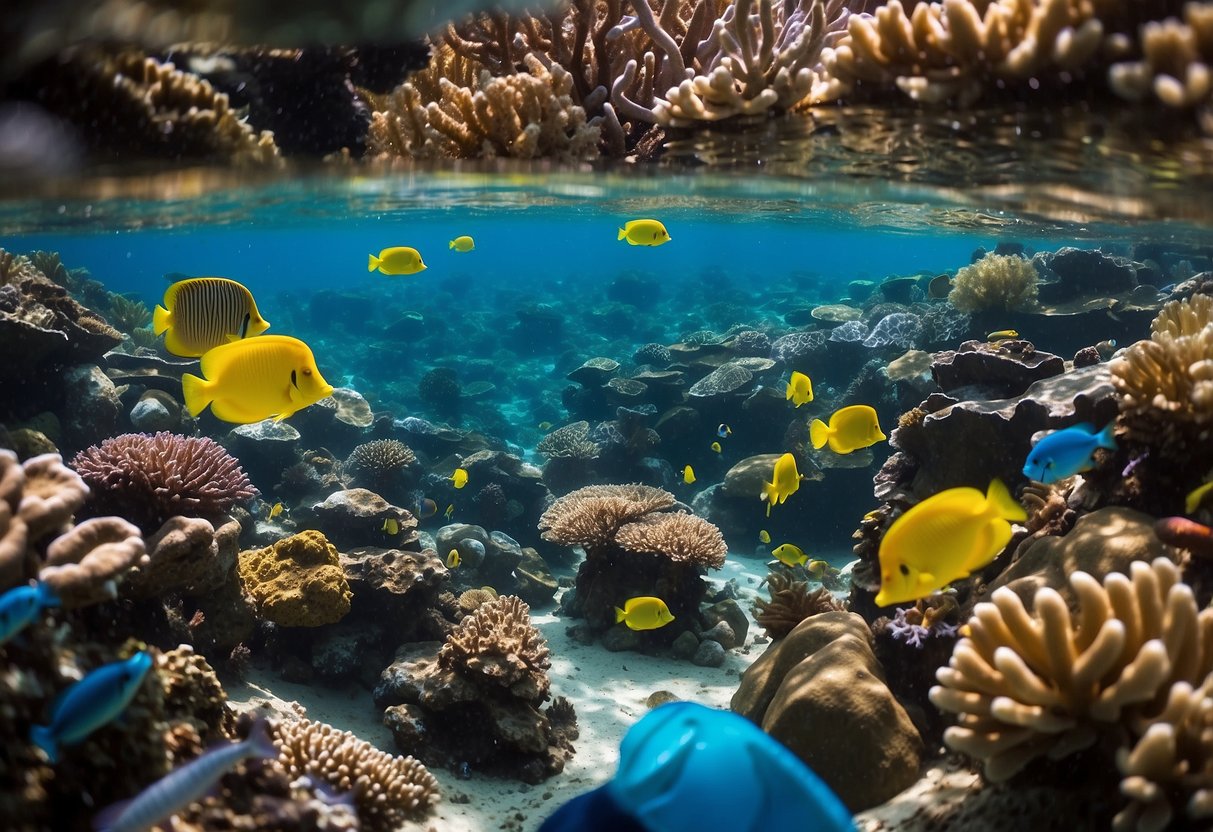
x=452, y=559
x=450, y=511
x=784, y=481
x=716, y=447
x=254, y=379
x=391, y=526
x=204, y=312
x=1196, y=497
x=688, y=475
x=789, y=554
x=460, y=478
x=800, y=389
x=396, y=260
x=545, y=426
x=1002, y=333
x=275, y=510
x=644, y=233
x=817, y=568
x=644, y=613
x=764, y=536
x=943, y=539
x=462, y=244
x=850, y=429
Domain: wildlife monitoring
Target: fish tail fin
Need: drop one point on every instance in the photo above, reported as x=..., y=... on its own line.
x=620, y=615
x=1003, y=503
x=161, y=319
x=451, y=244
x=789, y=392
x=41, y=736
x=372, y=262
x=1106, y=438
x=819, y=433
x=622, y=234
x=197, y=393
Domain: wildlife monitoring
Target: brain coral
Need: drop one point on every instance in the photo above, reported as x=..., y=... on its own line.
x=996, y=282
x=498, y=644
x=297, y=582
x=148, y=479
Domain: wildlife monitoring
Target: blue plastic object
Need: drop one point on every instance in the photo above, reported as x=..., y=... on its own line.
x=684, y=767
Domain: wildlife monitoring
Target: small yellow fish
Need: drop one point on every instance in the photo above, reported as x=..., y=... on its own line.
x=688, y=475
x=716, y=447
x=275, y=510
x=789, y=554
x=396, y=260
x=644, y=233
x=450, y=511
x=391, y=526
x=462, y=244
x=202, y=313
x=460, y=478
x=764, y=536
x=800, y=389
x=545, y=426
x=784, y=481
x=1001, y=334
x=1196, y=497
x=452, y=559
x=943, y=539
x=817, y=568
x=644, y=613
x=850, y=429
x=256, y=378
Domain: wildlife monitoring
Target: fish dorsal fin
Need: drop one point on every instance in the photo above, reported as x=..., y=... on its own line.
x=1085, y=427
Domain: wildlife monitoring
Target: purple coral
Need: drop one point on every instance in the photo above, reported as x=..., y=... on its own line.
x=905, y=629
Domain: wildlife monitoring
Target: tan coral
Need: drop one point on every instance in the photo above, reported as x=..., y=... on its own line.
x=388, y=791
x=52, y=493
x=1026, y=685
x=995, y=282
x=1177, y=63
x=569, y=442
x=499, y=644
x=83, y=565
x=791, y=602
x=472, y=599
x=590, y=516
x=682, y=537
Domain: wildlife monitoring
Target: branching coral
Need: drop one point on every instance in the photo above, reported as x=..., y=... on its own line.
x=1176, y=63
x=499, y=644
x=388, y=791
x=148, y=479
x=1050, y=683
x=590, y=516
x=569, y=442
x=682, y=537
x=996, y=282
x=791, y=602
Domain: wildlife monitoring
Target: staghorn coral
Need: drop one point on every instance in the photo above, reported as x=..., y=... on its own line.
x=996, y=282
x=682, y=537
x=590, y=516
x=569, y=442
x=1175, y=64
x=499, y=645
x=1049, y=683
x=791, y=602
x=378, y=461
x=148, y=479
x=388, y=790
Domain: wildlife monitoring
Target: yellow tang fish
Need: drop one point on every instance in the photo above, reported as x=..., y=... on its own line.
x=1001, y=334
x=688, y=475
x=1196, y=497
x=789, y=554
x=800, y=389
x=644, y=233
x=396, y=260
x=716, y=447
x=460, y=478
x=391, y=526
x=450, y=511
x=254, y=379
x=850, y=429
x=462, y=244
x=275, y=510
x=644, y=613
x=452, y=559
x=784, y=481
x=545, y=426
x=764, y=536
x=202, y=313
x=817, y=568
x=943, y=539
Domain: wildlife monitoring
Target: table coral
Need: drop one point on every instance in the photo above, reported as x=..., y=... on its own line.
x=297, y=582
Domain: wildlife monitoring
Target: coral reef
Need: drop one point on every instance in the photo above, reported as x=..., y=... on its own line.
x=379, y=465
x=148, y=479
x=1174, y=65
x=791, y=602
x=297, y=582
x=996, y=282
x=498, y=645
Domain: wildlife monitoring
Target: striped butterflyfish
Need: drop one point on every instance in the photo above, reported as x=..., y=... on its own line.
x=203, y=312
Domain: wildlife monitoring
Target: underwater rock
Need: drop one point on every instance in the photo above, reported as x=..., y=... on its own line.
x=188, y=555
x=534, y=581
x=709, y=653
x=265, y=449
x=594, y=372
x=993, y=370
x=390, y=585
x=297, y=582
x=501, y=556
x=684, y=646
x=338, y=655
x=819, y=690
x=747, y=477
x=728, y=612
x=619, y=638
x=356, y=517
x=150, y=414
x=1081, y=273
x=461, y=536
x=95, y=410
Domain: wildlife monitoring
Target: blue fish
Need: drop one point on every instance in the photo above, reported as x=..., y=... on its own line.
x=183, y=785
x=687, y=767
x=21, y=605
x=96, y=700
x=1064, y=453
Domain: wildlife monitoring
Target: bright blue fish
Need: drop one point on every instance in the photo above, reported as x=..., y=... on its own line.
x=686, y=767
x=183, y=785
x=96, y=700
x=1064, y=453
x=21, y=605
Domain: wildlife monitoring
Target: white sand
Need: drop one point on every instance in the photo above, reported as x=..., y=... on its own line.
x=607, y=689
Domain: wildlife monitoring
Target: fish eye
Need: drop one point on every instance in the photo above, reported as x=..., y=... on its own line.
x=307, y=371
x=905, y=570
